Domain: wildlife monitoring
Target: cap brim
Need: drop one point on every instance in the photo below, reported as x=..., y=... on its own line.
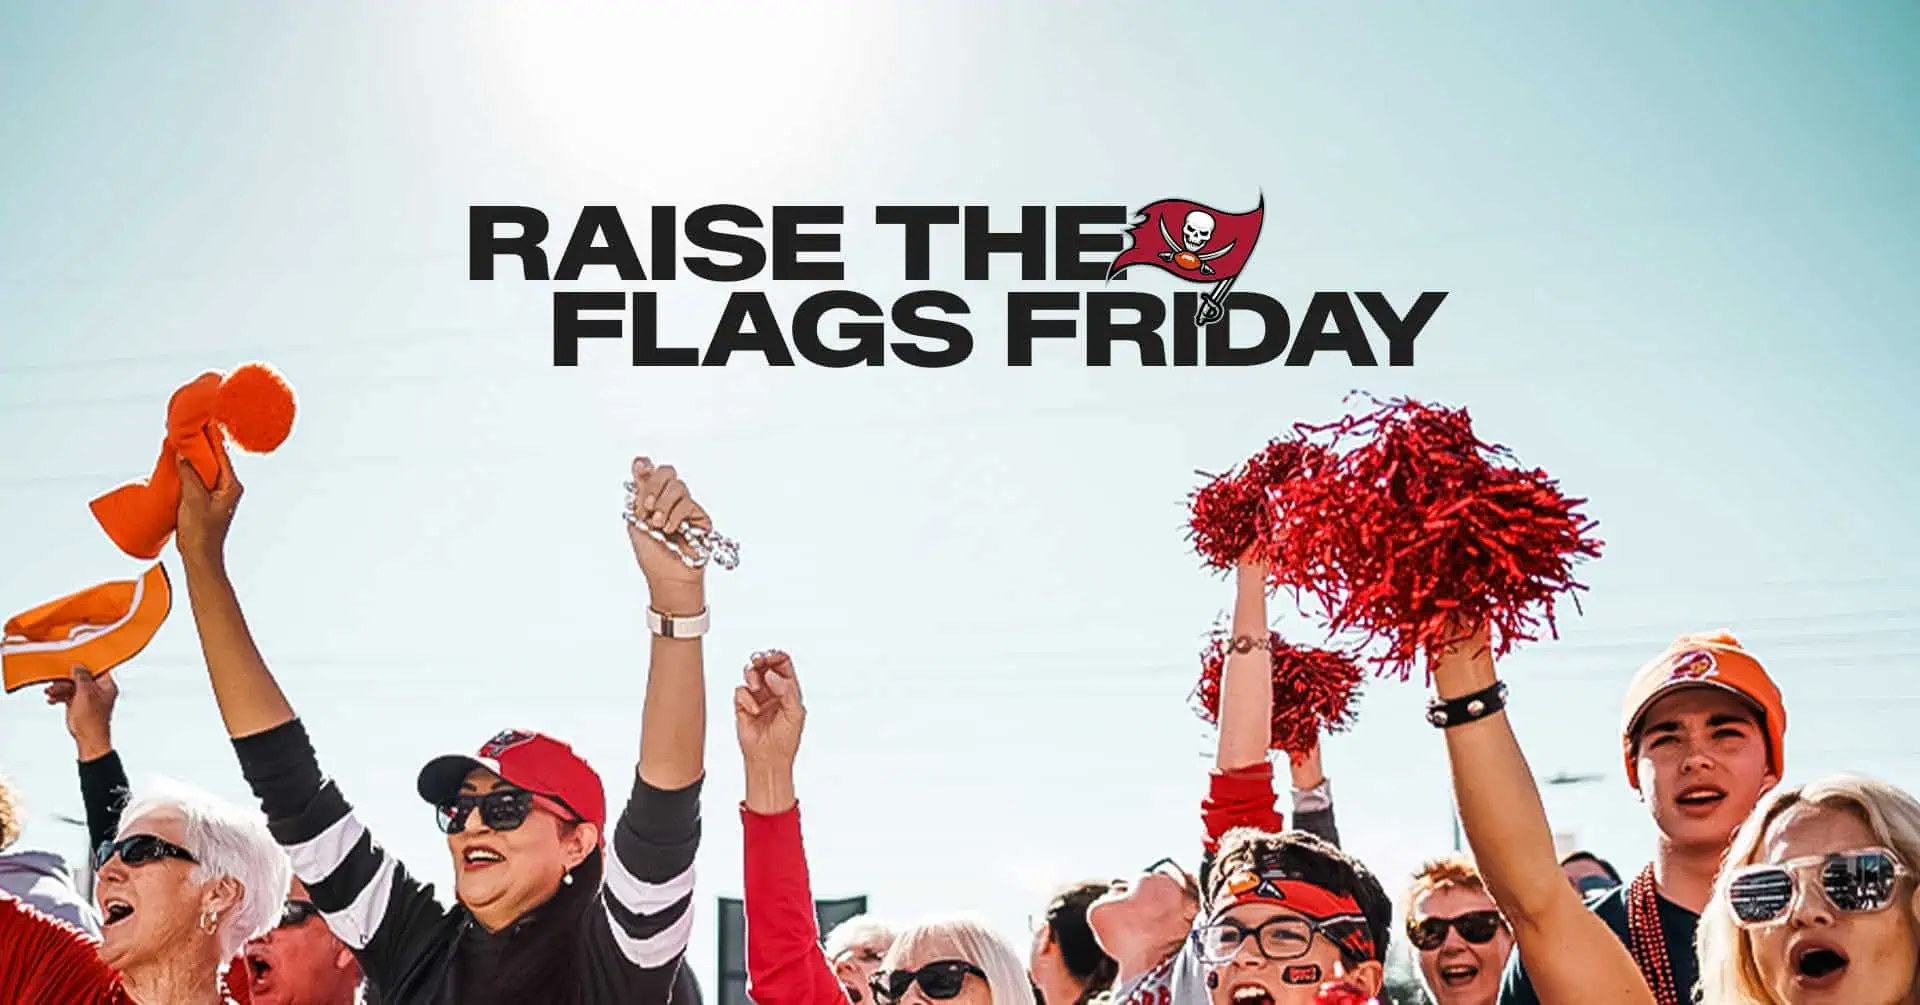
x=1640, y=714
x=442, y=777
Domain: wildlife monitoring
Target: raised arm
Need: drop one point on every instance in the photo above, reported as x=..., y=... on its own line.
x=648, y=897
x=1240, y=788
x=89, y=702
x=365, y=895
x=1313, y=797
x=785, y=964
x=1569, y=953
x=250, y=699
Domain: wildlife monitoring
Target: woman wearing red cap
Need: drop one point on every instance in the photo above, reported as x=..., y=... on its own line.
x=552, y=904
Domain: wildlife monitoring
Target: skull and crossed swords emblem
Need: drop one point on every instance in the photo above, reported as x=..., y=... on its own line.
x=1194, y=235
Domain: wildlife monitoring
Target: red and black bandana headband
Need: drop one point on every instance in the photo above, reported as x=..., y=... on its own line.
x=1336, y=915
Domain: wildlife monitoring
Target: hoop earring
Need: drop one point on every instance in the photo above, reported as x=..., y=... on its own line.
x=209, y=921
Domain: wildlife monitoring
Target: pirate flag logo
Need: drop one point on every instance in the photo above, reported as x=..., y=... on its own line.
x=1195, y=242
x=503, y=741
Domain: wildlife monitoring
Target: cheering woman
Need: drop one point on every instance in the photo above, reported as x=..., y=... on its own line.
x=552, y=905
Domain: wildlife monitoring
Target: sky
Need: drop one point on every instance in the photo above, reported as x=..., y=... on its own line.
x=1675, y=241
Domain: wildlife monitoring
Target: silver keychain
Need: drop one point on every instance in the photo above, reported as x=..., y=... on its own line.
x=707, y=546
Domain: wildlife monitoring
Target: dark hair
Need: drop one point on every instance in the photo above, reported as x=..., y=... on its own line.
x=1587, y=856
x=1079, y=950
x=1309, y=859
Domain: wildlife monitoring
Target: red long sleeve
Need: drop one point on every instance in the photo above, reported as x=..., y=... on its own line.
x=44, y=960
x=785, y=965
x=1242, y=797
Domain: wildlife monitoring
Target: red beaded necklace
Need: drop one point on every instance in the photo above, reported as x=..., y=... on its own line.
x=1646, y=939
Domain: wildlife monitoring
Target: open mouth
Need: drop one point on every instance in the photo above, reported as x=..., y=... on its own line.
x=480, y=858
x=1252, y=994
x=1454, y=975
x=116, y=911
x=1817, y=965
x=258, y=966
x=1701, y=797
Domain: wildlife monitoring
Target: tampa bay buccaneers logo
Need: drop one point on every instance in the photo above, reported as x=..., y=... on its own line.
x=1195, y=242
x=1696, y=665
x=505, y=741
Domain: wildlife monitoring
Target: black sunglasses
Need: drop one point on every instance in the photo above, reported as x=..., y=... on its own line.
x=1477, y=927
x=500, y=810
x=139, y=849
x=940, y=981
x=295, y=912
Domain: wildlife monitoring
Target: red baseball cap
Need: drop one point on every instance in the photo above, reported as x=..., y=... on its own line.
x=533, y=761
x=1706, y=660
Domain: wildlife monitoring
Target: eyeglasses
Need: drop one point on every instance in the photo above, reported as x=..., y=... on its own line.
x=139, y=849
x=1477, y=927
x=1854, y=882
x=940, y=981
x=295, y=912
x=1280, y=938
x=500, y=810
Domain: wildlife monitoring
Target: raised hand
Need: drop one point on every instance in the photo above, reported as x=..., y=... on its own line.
x=89, y=701
x=206, y=512
x=768, y=713
x=661, y=503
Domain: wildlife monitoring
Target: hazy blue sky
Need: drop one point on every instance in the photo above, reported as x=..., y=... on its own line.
x=1679, y=242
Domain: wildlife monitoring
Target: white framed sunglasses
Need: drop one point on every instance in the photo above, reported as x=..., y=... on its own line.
x=1861, y=881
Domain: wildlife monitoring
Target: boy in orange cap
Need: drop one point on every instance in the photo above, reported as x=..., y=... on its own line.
x=1703, y=731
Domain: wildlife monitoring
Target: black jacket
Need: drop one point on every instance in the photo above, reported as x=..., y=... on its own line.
x=617, y=933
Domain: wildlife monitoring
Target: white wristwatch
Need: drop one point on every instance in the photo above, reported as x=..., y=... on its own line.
x=669, y=627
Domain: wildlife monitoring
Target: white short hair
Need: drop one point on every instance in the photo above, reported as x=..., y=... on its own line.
x=970, y=940
x=230, y=843
x=855, y=930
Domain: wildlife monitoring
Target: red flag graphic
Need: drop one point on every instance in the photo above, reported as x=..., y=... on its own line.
x=1192, y=240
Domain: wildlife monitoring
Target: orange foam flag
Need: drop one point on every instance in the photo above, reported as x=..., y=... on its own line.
x=99, y=628
x=253, y=406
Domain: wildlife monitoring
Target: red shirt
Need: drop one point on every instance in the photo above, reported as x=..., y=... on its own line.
x=44, y=961
x=785, y=964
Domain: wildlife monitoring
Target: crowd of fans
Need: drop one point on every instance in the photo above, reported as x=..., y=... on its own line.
x=1758, y=893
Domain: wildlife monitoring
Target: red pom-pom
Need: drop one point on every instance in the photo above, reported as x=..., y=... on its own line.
x=1417, y=534
x=1234, y=511
x=1342, y=993
x=1313, y=690
x=256, y=408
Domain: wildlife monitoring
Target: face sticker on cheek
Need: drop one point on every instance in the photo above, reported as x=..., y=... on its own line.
x=1301, y=973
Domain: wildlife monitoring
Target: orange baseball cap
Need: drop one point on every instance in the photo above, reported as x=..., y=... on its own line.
x=1708, y=659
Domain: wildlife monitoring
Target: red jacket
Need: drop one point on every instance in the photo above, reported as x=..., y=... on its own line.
x=45, y=961
x=785, y=964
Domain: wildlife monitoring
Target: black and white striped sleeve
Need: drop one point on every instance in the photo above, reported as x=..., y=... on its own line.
x=636, y=948
x=366, y=896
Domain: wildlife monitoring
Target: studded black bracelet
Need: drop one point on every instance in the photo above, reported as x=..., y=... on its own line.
x=1468, y=708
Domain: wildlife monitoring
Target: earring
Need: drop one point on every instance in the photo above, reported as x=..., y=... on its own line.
x=209, y=921
x=566, y=879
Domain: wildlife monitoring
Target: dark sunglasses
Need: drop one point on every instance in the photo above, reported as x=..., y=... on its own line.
x=1590, y=885
x=500, y=810
x=939, y=981
x=296, y=912
x=139, y=849
x=1477, y=927
x=1854, y=882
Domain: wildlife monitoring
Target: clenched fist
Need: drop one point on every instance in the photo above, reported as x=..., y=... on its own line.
x=662, y=503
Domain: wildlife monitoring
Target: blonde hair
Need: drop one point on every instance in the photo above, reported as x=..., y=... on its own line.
x=1728, y=973
x=1450, y=871
x=967, y=939
x=12, y=819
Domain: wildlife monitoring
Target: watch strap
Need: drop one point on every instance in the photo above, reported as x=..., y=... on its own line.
x=669, y=626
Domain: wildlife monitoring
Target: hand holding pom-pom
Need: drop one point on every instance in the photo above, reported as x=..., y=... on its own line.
x=1313, y=690
x=1419, y=528
x=1236, y=516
